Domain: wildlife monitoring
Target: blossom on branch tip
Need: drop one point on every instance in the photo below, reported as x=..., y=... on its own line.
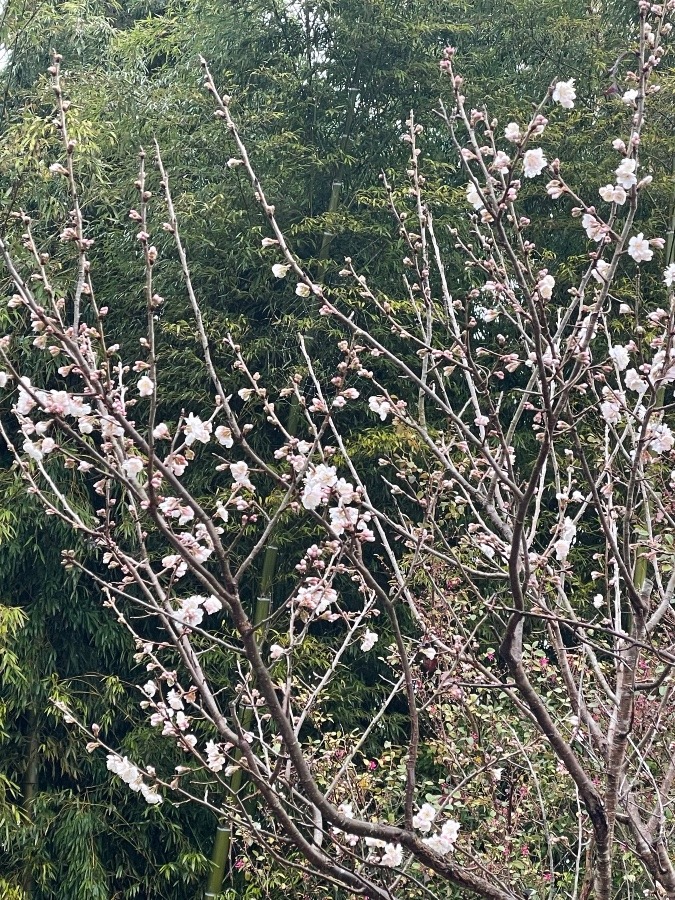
x=555, y=189
x=161, y=432
x=566, y=539
x=317, y=485
x=594, y=229
x=633, y=382
x=215, y=759
x=239, y=473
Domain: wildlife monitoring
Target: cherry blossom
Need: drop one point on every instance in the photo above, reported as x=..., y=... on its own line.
x=279, y=270
x=424, y=819
x=196, y=430
x=564, y=542
x=224, y=436
x=161, y=432
x=625, y=174
x=594, y=228
x=534, y=162
x=630, y=96
x=302, y=290
x=611, y=193
x=669, y=275
x=369, y=640
x=662, y=439
x=633, y=382
x=392, y=856
x=473, y=196
x=145, y=386
x=555, y=189
x=215, y=759
x=639, y=249
x=565, y=94
x=444, y=842
x=133, y=466
x=512, y=132
x=621, y=356
x=545, y=287
x=601, y=270
x=380, y=406
x=239, y=473
x=317, y=484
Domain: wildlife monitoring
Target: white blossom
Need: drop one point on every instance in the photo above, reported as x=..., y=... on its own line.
x=132, y=466
x=639, y=249
x=161, y=432
x=196, y=430
x=392, y=856
x=424, y=819
x=662, y=439
x=473, y=197
x=145, y=386
x=566, y=539
x=215, y=759
x=630, y=96
x=621, y=356
x=317, y=484
x=239, y=473
x=565, y=94
x=669, y=275
x=601, y=270
x=546, y=286
x=634, y=383
x=593, y=227
x=370, y=638
x=380, y=405
x=612, y=193
x=625, y=174
x=279, y=270
x=534, y=162
x=512, y=132
x=224, y=436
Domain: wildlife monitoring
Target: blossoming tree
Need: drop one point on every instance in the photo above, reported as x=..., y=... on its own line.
x=561, y=558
